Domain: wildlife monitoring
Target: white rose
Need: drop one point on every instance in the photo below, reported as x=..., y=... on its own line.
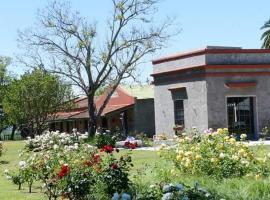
x=22, y=164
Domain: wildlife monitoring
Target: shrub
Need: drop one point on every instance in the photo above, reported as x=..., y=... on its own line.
x=168, y=192
x=217, y=155
x=50, y=140
x=102, y=139
x=181, y=191
x=264, y=133
x=71, y=170
x=144, y=138
x=115, y=174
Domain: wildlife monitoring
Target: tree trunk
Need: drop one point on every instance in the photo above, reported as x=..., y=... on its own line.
x=30, y=186
x=92, y=122
x=14, y=127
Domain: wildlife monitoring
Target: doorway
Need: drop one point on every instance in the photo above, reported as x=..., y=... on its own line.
x=240, y=112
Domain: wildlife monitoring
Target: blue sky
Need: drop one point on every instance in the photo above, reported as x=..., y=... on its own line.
x=203, y=22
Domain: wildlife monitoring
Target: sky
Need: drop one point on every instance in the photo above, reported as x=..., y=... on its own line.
x=202, y=22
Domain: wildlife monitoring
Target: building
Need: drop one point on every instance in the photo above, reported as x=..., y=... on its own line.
x=214, y=87
x=130, y=109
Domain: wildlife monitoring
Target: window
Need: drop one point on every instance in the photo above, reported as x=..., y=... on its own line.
x=179, y=112
x=241, y=115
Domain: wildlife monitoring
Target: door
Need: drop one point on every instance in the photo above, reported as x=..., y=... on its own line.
x=240, y=112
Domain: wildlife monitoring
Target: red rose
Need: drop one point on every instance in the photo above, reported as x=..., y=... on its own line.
x=63, y=172
x=127, y=144
x=107, y=149
x=88, y=163
x=97, y=158
x=114, y=166
x=130, y=145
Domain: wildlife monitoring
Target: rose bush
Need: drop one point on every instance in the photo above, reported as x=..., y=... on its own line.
x=219, y=155
x=68, y=168
x=52, y=139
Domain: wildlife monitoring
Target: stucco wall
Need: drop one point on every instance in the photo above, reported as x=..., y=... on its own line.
x=195, y=107
x=241, y=58
x=217, y=93
x=180, y=64
x=206, y=103
x=144, y=116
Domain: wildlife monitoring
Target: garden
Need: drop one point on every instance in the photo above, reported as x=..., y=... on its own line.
x=66, y=166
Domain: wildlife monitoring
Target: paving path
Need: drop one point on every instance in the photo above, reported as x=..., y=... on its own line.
x=251, y=143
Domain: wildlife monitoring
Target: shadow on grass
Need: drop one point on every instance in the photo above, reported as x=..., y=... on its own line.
x=3, y=162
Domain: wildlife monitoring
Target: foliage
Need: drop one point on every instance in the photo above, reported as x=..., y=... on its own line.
x=4, y=78
x=16, y=178
x=130, y=144
x=169, y=192
x=34, y=98
x=152, y=192
x=4, y=82
x=161, y=136
x=105, y=138
x=145, y=139
x=266, y=35
x=115, y=173
x=218, y=155
x=264, y=133
x=248, y=187
x=183, y=192
x=69, y=168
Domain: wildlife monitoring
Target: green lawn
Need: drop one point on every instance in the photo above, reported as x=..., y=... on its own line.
x=10, y=159
x=148, y=168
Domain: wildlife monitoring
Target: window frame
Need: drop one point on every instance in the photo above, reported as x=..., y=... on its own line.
x=179, y=113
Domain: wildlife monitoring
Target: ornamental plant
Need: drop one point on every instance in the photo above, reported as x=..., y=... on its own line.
x=68, y=172
x=217, y=154
x=54, y=139
x=130, y=144
x=68, y=168
x=169, y=191
x=115, y=173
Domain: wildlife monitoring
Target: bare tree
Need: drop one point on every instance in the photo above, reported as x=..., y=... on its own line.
x=65, y=43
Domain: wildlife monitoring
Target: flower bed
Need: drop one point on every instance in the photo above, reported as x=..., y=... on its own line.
x=217, y=154
x=69, y=168
x=50, y=140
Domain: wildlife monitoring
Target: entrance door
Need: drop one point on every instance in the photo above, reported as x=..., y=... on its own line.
x=241, y=115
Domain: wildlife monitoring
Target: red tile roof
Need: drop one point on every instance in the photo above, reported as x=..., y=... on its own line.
x=119, y=100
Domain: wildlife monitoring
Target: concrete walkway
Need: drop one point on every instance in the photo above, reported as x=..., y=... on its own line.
x=254, y=143
x=250, y=143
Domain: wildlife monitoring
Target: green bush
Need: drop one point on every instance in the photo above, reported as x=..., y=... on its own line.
x=102, y=139
x=217, y=154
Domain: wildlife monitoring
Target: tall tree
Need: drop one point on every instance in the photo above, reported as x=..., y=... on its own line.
x=67, y=44
x=266, y=35
x=32, y=100
x=4, y=81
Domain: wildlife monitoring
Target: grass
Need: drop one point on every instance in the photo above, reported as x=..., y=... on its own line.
x=148, y=169
x=10, y=159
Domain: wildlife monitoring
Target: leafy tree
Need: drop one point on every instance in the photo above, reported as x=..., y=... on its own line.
x=67, y=44
x=266, y=35
x=34, y=99
x=4, y=81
